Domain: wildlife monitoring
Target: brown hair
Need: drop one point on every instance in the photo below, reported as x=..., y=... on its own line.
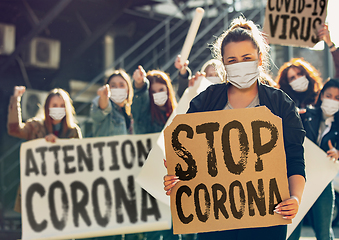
x=128, y=102
x=312, y=74
x=69, y=121
x=243, y=30
x=157, y=76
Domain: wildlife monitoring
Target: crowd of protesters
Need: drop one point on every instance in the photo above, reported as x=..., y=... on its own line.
x=143, y=104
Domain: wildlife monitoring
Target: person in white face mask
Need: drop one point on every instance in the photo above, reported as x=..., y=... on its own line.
x=111, y=109
x=55, y=120
x=302, y=81
x=212, y=70
x=244, y=52
x=321, y=123
x=153, y=101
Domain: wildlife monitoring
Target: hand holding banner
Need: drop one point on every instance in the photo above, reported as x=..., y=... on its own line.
x=232, y=170
x=80, y=188
x=294, y=22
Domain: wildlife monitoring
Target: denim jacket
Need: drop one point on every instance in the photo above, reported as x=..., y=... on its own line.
x=110, y=121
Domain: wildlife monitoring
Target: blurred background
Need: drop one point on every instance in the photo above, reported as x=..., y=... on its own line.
x=75, y=44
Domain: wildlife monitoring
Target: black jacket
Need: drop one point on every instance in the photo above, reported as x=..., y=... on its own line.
x=311, y=120
x=214, y=98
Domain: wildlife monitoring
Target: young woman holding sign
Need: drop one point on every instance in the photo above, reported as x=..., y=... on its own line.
x=111, y=109
x=56, y=121
x=153, y=102
x=300, y=80
x=244, y=53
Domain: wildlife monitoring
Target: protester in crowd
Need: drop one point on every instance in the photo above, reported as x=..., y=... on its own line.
x=212, y=70
x=300, y=80
x=56, y=120
x=153, y=102
x=111, y=109
x=322, y=126
x=244, y=53
x=111, y=114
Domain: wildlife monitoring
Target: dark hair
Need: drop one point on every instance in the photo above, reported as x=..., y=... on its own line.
x=306, y=69
x=163, y=78
x=125, y=76
x=243, y=30
x=330, y=82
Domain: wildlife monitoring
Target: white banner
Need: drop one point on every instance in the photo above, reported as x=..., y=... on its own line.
x=320, y=171
x=80, y=188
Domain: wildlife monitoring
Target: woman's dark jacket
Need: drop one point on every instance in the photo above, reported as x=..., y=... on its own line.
x=214, y=98
x=311, y=120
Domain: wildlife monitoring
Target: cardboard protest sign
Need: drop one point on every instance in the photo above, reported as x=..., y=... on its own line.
x=294, y=22
x=81, y=188
x=232, y=168
x=150, y=180
x=320, y=171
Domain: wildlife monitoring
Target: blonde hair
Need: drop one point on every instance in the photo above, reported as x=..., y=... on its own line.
x=217, y=65
x=69, y=121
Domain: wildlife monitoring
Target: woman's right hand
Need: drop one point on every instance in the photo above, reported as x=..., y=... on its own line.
x=19, y=91
x=104, y=91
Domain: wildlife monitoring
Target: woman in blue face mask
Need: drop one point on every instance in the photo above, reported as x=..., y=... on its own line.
x=243, y=51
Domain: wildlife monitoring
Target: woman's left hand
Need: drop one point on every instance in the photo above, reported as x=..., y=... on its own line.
x=324, y=34
x=51, y=138
x=333, y=153
x=288, y=208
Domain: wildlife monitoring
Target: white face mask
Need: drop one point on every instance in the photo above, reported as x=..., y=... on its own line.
x=329, y=106
x=118, y=95
x=243, y=74
x=300, y=84
x=57, y=113
x=214, y=79
x=160, y=98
